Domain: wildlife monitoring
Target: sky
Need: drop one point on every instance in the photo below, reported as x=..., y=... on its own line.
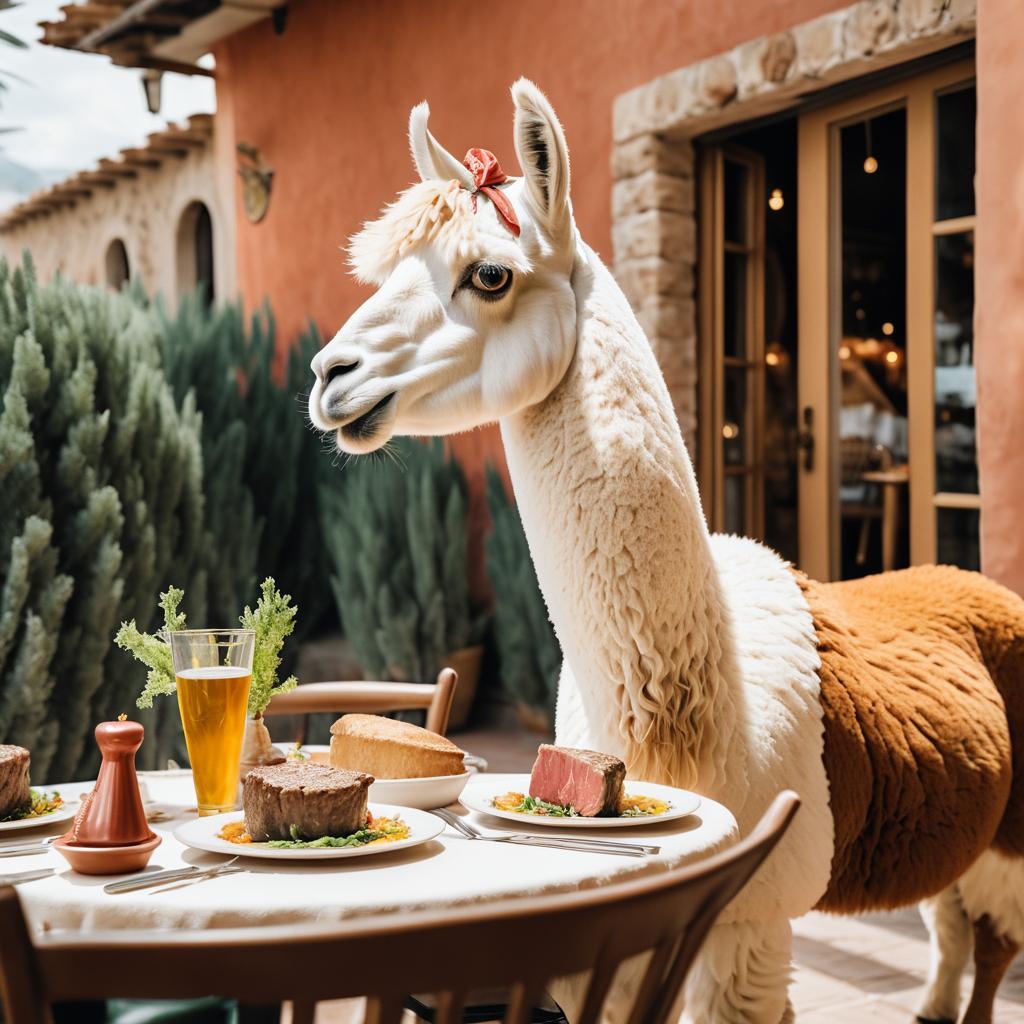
x=73, y=108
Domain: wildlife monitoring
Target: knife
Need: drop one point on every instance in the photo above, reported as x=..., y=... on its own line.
x=26, y=876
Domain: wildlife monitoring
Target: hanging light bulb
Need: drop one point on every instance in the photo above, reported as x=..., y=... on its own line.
x=888, y=328
x=775, y=200
x=870, y=163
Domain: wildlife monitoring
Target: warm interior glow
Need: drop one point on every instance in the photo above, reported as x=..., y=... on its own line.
x=771, y=358
x=775, y=200
x=870, y=165
x=844, y=352
x=730, y=431
x=892, y=356
x=887, y=328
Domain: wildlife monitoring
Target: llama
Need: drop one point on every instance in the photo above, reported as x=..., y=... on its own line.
x=892, y=704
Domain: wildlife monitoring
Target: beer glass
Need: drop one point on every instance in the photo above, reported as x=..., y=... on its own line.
x=213, y=668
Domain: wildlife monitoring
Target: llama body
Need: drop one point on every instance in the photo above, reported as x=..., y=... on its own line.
x=893, y=705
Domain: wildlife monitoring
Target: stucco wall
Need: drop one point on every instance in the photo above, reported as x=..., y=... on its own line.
x=144, y=212
x=327, y=104
x=999, y=289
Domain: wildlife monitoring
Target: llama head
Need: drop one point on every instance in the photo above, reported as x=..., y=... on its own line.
x=474, y=317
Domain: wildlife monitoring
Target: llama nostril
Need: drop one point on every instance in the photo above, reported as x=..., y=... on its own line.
x=339, y=370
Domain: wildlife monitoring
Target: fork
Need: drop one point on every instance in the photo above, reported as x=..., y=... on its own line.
x=581, y=844
x=173, y=875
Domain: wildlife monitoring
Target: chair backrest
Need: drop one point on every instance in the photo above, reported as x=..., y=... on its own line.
x=371, y=698
x=519, y=944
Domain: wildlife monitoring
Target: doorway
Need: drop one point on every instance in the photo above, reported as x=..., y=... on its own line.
x=851, y=292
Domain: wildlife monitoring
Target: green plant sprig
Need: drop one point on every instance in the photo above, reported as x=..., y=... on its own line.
x=152, y=650
x=272, y=621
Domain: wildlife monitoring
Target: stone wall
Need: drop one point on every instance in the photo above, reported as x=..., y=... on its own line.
x=142, y=205
x=654, y=225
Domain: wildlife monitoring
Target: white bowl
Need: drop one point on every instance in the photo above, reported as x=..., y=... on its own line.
x=423, y=794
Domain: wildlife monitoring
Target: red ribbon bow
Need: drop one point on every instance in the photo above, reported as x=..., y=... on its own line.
x=487, y=174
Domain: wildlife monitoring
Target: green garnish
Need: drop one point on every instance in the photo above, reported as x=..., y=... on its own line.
x=297, y=754
x=534, y=805
x=393, y=830
x=39, y=805
x=272, y=621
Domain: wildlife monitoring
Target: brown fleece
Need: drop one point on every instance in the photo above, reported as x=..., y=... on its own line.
x=922, y=686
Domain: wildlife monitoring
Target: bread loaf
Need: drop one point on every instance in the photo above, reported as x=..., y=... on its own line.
x=392, y=750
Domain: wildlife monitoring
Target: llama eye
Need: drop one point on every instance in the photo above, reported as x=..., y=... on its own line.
x=491, y=279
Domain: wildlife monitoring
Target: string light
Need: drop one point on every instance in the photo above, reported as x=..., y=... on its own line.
x=870, y=165
x=892, y=357
x=887, y=328
x=730, y=431
x=771, y=358
x=775, y=200
x=844, y=352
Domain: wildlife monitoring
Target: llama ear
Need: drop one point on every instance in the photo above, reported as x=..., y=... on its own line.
x=432, y=160
x=543, y=155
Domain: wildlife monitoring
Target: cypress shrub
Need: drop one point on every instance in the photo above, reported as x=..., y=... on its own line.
x=529, y=657
x=260, y=463
x=396, y=534
x=101, y=473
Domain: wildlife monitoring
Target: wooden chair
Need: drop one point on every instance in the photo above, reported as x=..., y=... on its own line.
x=370, y=698
x=519, y=944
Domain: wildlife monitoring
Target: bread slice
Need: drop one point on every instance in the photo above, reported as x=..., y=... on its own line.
x=392, y=750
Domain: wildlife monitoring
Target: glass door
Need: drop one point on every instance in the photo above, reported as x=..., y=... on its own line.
x=886, y=375
x=732, y=340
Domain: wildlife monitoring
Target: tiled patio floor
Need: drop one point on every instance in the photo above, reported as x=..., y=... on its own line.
x=873, y=968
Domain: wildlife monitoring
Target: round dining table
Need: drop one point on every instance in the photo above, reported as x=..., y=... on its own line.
x=448, y=871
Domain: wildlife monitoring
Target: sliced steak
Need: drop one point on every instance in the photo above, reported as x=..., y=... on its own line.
x=316, y=799
x=14, y=791
x=589, y=782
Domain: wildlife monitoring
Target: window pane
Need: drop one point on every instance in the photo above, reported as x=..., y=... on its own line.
x=735, y=202
x=735, y=427
x=735, y=301
x=958, y=537
x=954, y=193
x=735, y=500
x=956, y=466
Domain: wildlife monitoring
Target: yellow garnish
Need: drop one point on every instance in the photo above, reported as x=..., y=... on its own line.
x=234, y=832
x=641, y=806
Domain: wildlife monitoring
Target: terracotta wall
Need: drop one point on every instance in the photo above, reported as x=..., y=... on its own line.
x=999, y=289
x=327, y=103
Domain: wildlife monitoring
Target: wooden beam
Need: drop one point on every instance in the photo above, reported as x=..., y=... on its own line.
x=97, y=178
x=117, y=168
x=140, y=158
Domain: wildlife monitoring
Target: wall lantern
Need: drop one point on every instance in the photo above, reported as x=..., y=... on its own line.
x=257, y=181
x=151, y=86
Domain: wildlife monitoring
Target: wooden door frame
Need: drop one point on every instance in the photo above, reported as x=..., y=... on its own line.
x=711, y=359
x=819, y=269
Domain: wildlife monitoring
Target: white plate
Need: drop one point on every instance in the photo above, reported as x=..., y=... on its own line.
x=201, y=834
x=65, y=813
x=480, y=792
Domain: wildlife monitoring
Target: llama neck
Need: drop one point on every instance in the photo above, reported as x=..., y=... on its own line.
x=611, y=512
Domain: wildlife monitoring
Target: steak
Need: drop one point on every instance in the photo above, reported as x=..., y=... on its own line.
x=314, y=799
x=589, y=782
x=14, y=791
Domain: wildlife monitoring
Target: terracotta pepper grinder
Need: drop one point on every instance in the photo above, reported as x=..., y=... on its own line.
x=112, y=815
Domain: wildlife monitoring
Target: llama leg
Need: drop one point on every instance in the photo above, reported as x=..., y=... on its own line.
x=950, y=938
x=992, y=891
x=741, y=975
x=993, y=954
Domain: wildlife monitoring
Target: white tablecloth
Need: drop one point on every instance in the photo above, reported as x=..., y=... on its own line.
x=446, y=872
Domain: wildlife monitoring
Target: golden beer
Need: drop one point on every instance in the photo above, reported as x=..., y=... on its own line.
x=213, y=700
